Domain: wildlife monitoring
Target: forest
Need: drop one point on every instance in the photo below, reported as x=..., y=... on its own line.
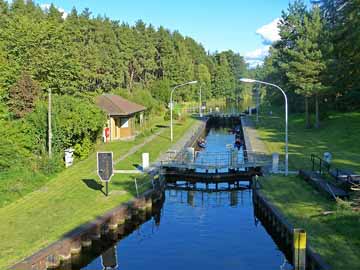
x=80, y=57
x=317, y=59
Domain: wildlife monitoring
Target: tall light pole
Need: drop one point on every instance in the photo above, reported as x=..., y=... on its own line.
x=171, y=105
x=245, y=80
x=256, y=93
x=200, y=105
x=49, y=125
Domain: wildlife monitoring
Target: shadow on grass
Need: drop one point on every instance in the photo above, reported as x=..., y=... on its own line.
x=94, y=185
x=162, y=126
x=138, y=166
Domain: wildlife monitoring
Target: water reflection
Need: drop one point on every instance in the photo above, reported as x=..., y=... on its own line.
x=109, y=259
x=198, y=229
x=198, y=226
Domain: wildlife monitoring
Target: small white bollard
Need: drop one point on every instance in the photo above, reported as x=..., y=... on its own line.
x=69, y=157
x=145, y=161
x=275, y=162
x=190, y=152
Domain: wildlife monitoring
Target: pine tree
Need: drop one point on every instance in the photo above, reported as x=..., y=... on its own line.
x=306, y=62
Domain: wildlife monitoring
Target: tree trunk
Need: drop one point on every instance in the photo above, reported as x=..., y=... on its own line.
x=317, y=114
x=307, y=115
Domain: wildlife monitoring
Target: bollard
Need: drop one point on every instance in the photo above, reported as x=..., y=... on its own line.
x=145, y=161
x=299, y=249
x=275, y=162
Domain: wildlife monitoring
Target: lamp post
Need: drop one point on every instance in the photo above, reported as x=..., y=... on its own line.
x=171, y=105
x=200, y=105
x=245, y=80
x=256, y=95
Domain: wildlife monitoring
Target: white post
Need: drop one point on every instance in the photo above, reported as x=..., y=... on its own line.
x=200, y=105
x=145, y=161
x=171, y=116
x=275, y=162
x=49, y=125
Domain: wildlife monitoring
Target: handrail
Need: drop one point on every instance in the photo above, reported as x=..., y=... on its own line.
x=226, y=159
x=322, y=163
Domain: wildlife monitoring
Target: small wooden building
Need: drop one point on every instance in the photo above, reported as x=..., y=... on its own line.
x=121, y=116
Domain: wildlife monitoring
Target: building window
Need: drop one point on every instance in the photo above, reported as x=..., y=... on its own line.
x=124, y=122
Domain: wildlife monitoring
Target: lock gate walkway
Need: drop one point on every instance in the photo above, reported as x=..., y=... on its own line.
x=214, y=167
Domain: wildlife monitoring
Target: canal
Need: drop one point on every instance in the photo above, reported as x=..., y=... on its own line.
x=203, y=229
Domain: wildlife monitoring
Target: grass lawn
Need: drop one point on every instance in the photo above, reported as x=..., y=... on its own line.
x=70, y=199
x=18, y=182
x=339, y=135
x=335, y=237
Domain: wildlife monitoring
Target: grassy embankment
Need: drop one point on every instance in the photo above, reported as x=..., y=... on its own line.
x=336, y=236
x=70, y=199
x=339, y=135
x=18, y=181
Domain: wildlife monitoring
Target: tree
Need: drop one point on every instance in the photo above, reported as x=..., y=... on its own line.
x=23, y=95
x=306, y=62
x=222, y=79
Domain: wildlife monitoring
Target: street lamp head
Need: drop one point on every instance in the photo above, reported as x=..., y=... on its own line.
x=246, y=80
x=192, y=82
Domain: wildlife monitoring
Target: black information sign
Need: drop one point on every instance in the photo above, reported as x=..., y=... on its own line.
x=105, y=165
x=105, y=168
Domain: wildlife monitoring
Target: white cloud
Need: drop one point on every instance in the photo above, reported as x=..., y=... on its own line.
x=256, y=57
x=260, y=53
x=46, y=7
x=269, y=32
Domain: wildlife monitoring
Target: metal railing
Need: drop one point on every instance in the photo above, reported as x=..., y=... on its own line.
x=230, y=159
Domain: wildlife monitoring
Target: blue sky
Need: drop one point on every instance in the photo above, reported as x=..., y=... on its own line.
x=243, y=26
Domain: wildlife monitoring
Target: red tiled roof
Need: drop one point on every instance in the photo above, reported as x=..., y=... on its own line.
x=116, y=105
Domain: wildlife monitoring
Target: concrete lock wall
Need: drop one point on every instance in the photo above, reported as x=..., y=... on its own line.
x=282, y=233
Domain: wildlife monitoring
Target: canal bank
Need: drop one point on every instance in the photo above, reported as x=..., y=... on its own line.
x=210, y=227
x=71, y=199
x=72, y=242
x=332, y=227
x=272, y=218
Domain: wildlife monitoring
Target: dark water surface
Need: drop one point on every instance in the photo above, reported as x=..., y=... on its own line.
x=198, y=230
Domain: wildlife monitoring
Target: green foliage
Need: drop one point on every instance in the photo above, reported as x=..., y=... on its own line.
x=317, y=57
x=75, y=121
x=13, y=145
x=23, y=95
x=49, y=166
x=160, y=90
x=83, y=148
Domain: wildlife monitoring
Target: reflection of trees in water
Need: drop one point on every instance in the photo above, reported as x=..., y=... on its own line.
x=207, y=197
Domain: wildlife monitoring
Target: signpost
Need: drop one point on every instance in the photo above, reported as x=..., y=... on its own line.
x=105, y=168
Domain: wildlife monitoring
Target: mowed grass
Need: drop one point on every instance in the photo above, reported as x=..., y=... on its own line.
x=336, y=237
x=65, y=202
x=19, y=181
x=339, y=135
x=158, y=146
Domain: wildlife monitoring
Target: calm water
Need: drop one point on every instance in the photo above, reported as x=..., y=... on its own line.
x=198, y=230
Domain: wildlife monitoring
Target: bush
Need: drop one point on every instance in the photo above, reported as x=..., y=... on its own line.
x=76, y=121
x=51, y=165
x=83, y=149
